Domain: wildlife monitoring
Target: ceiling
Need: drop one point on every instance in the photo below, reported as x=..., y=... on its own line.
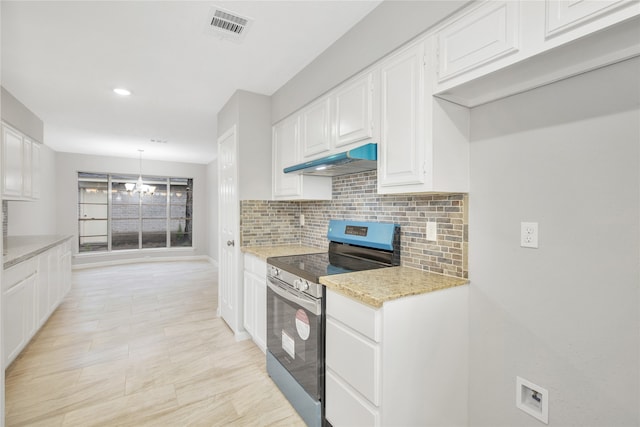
x=63, y=60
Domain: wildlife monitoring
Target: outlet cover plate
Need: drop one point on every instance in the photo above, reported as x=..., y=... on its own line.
x=529, y=235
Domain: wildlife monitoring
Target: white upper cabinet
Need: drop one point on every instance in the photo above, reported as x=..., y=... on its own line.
x=286, y=152
x=424, y=140
x=484, y=35
x=11, y=163
x=354, y=111
x=401, y=148
x=481, y=51
x=316, y=128
x=20, y=166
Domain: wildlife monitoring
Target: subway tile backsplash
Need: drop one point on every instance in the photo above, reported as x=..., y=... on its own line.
x=355, y=197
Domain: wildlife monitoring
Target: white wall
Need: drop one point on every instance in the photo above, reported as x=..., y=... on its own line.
x=564, y=316
x=384, y=29
x=67, y=167
x=37, y=217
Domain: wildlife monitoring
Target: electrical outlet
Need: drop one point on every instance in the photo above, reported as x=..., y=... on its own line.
x=432, y=231
x=532, y=399
x=301, y=220
x=529, y=235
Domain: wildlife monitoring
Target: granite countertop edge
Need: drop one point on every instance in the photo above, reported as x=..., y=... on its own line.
x=264, y=252
x=22, y=248
x=375, y=287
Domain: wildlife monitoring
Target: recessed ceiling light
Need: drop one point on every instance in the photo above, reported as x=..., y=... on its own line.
x=122, y=91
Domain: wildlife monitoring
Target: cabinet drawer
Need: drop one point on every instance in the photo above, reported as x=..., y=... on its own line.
x=345, y=408
x=357, y=316
x=361, y=368
x=255, y=265
x=14, y=275
x=482, y=36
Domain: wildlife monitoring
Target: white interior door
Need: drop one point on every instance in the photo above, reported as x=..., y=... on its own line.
x=229, y=289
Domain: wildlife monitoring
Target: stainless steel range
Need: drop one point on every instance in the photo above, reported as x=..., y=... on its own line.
x=296, y=306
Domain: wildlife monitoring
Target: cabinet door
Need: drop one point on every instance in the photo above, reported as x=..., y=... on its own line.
x=315, y=129
x=14, y=321
x=30, y=306
x=249, y=304
x=564, y=15
x=65, y=273
x=55, y=293
x=286, y=153
x=260, y=288
x=401, y=147
x=354, y=111
x=26, y=168
x=12, y=163
x=35, y=170
x=43, y=288
x=481, y=36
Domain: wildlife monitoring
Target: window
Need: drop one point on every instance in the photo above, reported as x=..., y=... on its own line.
x=112, y=218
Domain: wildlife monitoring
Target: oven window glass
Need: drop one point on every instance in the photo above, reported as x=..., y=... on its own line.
x=294, y=337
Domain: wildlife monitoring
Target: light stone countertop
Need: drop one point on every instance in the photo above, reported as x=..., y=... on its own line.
x=21, y=248
x=375, y=287
x=265, y=252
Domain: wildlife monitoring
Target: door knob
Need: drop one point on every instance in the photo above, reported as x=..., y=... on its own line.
x=231, y=243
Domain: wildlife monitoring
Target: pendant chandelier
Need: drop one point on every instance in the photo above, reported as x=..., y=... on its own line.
x=139, y=186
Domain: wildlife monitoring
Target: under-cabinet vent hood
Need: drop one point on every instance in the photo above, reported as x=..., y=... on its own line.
x=361, y=159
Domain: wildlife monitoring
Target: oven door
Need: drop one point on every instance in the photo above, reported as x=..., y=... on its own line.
x=295, y=335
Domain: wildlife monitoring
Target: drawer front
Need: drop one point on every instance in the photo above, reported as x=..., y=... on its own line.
x=355, y=359
x=255, y=265
x=345, y=408
x=482, y=36
x=360, y=317
x=14, y=275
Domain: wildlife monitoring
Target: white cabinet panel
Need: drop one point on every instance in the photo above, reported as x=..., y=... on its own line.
x=401, y=148
x=20, y=166
x=43, y=309
x=484, y=35
x=11, y=162
x=286, y=153
x=354, y=111
x=255, y=299
x=27, y=177
x=35, y=170
x=14, y=321
x=362, y=368
x=315, y=128
x=346, y=407
x=362, y=318
x=564, y=15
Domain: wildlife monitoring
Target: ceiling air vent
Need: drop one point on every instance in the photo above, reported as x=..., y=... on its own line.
x=228, y=25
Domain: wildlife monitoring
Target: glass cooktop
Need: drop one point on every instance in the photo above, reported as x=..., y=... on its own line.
x=313, y=266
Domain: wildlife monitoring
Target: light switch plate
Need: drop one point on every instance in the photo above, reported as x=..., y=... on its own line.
x=432, y=231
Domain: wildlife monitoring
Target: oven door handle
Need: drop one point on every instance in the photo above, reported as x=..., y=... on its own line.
x=312, y=305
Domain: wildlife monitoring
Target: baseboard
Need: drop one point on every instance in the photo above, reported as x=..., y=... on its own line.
x=143, y=260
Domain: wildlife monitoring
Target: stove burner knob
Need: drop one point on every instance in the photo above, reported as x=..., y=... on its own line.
x=297, y=284
x=275, y=271
x=303, y=285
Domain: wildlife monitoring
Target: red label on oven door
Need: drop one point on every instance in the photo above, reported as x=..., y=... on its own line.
x=302, y=324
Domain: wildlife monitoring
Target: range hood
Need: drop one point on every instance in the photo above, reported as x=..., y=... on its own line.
x=360, y=159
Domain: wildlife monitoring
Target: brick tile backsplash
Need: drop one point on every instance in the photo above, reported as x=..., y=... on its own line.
x=355, y=197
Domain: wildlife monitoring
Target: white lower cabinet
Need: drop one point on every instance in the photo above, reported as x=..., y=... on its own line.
x=402, y=364
x=32, y=290
x=255, y=299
